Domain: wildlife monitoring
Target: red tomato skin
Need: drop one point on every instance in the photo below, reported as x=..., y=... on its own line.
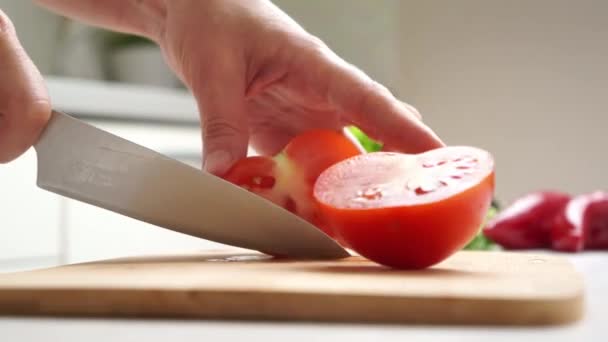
x=531, y=226
x=596, y=224
x=565, y=236
x=318, y=149
x=414, y=237
x=246, y=170
x=583, y=224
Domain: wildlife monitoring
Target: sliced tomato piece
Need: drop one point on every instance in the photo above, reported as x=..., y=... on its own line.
x=408, y=211
x=316, y=150
x=287, y=179
x=253, y=173
x=528, y=221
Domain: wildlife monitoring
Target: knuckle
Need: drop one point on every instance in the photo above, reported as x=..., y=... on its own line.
x=379, y=89
x=32, y=113
x=216, y=128
x=367, y=104
x=313, y=47
x=6, y=26
x=38, y=113
x=367, y=94
x=20, y=125
x=372, y=96
x=316, y=44
x=414, y=110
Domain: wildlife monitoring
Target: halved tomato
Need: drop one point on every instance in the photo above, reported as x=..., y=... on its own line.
x=287, y=179
x=408, y=211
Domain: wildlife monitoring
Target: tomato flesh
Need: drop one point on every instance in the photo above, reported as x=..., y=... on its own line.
x=408, y=211
x=253, y=173
x=287, y=179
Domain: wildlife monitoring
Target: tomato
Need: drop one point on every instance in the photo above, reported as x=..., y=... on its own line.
x=582, y=224
x=287, y=179
x=408, y=211
x=528, y=221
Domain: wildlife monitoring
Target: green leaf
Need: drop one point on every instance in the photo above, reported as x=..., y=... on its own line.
x=481, y=242
x=369, y=144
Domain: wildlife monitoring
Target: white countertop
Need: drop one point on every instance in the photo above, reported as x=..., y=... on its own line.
x=594, y=327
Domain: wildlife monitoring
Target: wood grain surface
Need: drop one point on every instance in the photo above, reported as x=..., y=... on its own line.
x=496, y=288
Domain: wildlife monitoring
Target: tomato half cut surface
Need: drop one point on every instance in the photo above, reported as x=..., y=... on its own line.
x=408, y=211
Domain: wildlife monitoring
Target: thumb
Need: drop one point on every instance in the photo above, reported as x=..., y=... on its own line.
x=224, y=127
x=24, y=102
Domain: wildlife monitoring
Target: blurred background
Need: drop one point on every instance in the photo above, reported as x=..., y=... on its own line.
x=526, y=80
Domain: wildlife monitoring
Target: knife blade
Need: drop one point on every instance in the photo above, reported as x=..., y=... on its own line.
x=85, y=163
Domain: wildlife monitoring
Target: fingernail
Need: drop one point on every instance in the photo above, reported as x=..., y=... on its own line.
x=217, y=162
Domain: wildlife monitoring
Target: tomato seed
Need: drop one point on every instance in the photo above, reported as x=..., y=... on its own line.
x=370, y=194
x=421, y=191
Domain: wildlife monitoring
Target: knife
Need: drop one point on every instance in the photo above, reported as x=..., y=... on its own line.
x=85, y=163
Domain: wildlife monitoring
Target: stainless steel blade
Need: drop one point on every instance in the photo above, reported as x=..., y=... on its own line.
x=85, y=163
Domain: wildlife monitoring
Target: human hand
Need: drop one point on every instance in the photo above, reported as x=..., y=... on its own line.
x=258, y=77
x=24, y=102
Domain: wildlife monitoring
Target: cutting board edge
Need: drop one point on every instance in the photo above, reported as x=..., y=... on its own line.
x=247, y=305
x=32, y=298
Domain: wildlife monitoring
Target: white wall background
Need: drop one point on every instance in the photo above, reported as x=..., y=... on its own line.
x=527, y=80
x=38, y=30
x=363, y=32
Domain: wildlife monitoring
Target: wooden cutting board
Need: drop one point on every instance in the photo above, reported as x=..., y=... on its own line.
x=468, y=288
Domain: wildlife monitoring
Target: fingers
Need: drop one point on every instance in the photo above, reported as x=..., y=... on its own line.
x=224, y=124
x=24, y=102
x=412, y=109
x=376, y=111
